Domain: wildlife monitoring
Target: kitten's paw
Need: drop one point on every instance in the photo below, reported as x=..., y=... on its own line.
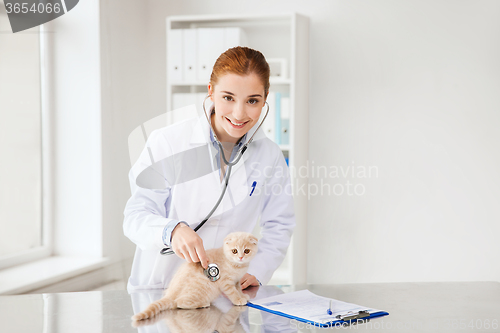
x=139, y=316
x=246, y=296
x=240, y=301
x=237, y=309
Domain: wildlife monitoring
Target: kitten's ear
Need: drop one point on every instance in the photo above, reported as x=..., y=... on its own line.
x=253, y=240
x=228, y=240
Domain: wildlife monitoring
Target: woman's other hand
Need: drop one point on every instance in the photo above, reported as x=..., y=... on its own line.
x=188, y=245
x=248, y=280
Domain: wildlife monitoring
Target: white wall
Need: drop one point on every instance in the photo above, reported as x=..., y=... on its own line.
x=412, y=88
x=100, y=94
x=409, y=88
x=125, y=105
x=75, y=130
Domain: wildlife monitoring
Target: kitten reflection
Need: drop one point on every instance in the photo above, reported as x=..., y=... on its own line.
x=198, y=320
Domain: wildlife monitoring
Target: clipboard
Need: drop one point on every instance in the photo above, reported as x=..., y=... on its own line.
x=307, y=307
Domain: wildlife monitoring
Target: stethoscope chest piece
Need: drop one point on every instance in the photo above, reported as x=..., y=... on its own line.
x=212, y=272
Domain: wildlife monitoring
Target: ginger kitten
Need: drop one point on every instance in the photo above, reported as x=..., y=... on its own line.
x=190, y=288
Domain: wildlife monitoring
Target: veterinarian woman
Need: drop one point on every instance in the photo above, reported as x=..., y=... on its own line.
x=187, y=160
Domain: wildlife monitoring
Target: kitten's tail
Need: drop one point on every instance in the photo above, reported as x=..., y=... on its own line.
x=154, y=308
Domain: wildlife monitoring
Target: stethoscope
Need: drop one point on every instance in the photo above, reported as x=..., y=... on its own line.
x=240, y=152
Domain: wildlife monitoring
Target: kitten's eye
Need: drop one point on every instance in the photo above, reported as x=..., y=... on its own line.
x=235, y=251
x=247, y=251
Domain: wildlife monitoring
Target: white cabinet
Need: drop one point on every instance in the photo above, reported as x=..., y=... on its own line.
x=284, y=41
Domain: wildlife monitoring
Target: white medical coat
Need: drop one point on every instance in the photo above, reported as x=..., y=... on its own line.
x=149, y=210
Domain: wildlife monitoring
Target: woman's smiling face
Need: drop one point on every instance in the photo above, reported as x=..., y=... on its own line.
x=238, y=103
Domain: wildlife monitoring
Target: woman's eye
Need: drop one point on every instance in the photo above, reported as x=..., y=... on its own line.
x=247, y=251
x=253, y=101
x=235, y=251
x=228, y=98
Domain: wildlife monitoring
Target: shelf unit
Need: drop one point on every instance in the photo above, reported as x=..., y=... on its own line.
x=284, y=35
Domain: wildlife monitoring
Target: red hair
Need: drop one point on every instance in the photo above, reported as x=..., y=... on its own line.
x=242, y=60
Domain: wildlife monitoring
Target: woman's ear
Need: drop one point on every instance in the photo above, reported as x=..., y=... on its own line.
x=211, y=92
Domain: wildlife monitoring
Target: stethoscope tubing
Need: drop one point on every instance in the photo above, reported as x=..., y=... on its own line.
x=241, y=151
x=168, y=250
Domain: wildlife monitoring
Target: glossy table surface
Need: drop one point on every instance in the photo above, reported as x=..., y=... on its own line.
x=412, y=307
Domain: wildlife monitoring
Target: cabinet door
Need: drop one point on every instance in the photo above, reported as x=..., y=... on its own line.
x=174, y=54
x=211, y=44
x=190, y=52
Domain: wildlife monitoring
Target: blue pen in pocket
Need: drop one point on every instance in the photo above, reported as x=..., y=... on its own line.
x=253, y=187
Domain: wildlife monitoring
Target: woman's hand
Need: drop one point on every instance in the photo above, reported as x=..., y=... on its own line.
x=248, y=280
x=188, y=245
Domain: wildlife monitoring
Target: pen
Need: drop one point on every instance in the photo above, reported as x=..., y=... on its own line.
x=329, y=311
x=253, y=188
